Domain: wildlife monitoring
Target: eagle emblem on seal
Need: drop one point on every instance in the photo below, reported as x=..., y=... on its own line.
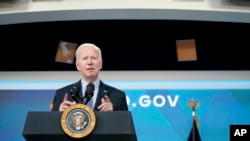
x=78, y=120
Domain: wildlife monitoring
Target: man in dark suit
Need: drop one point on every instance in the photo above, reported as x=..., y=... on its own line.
x=105, y=97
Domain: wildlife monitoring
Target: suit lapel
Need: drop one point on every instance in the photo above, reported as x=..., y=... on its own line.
x=100, y=95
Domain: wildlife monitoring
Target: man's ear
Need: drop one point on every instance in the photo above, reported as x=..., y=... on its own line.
x=101, y=65
x=77, y=66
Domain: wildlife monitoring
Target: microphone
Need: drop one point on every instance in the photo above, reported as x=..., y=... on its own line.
x=89, y=92
x=74, y=92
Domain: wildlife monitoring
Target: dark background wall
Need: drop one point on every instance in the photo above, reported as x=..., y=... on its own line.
x=127, y=44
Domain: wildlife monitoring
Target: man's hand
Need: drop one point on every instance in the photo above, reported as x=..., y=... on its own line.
x=65, y=104
x=106, y=104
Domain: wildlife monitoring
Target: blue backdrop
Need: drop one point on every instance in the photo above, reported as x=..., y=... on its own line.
x=159, y=114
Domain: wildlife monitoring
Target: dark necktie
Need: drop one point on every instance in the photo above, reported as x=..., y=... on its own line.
x=89, y=94
x=90, y=103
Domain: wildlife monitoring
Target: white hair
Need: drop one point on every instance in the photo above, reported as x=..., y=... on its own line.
x=89, y=44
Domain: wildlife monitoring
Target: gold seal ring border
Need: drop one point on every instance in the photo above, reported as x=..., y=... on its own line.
x=85, y=132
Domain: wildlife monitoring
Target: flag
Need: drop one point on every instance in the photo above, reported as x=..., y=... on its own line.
x=194, y=134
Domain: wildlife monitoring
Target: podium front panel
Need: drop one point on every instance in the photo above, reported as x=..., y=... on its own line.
x=111, y=126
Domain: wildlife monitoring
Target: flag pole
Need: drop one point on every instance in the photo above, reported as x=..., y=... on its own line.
x=195, y=129
x=193, y=104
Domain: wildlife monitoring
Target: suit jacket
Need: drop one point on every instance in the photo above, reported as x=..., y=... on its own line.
x=116, y=96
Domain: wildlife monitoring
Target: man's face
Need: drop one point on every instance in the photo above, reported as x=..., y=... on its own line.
x=88, y=61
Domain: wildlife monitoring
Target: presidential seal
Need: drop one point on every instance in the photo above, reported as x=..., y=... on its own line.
x=78, y=121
